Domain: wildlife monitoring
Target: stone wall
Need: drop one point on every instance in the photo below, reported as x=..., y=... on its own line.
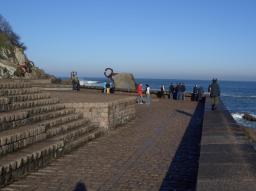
x=107, y=115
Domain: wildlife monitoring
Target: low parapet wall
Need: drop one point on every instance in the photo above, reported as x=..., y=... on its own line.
x=227, y=157
x=107, y=115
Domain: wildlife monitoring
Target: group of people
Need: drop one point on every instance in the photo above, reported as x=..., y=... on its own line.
x=197, y=93
x=141, y=99
x=177, y=92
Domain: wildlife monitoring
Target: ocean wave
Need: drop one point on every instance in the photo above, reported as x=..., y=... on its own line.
x=238, y=96
x=88, y=82
x=237, y=116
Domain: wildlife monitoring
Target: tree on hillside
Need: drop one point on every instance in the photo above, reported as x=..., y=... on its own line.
x=6, y=30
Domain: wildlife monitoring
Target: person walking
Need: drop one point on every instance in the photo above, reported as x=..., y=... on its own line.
x=148, y=94
x=214, y=93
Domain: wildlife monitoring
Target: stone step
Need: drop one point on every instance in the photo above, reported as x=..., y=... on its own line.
x=51, y=115
x=13, y=85
x=15, y=165
x=44, y=109
x=19, y=91
x=61, y=120
x=28, y=97
x=30, y=115
x=56, y=130
x=12, y=116
x=15, y=139
x=69, y=146
x=27, y=104
x=37, y=155
x=72, y=135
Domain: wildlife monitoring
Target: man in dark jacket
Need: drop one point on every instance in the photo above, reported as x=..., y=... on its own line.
x=182, y=89
x=171, y=91
x=214, y=93
x=195, y=93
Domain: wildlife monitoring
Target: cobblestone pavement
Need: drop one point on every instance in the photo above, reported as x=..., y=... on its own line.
x=137, y=156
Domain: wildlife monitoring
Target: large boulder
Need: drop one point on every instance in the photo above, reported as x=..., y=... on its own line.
x=124, y=81
x=249, y=117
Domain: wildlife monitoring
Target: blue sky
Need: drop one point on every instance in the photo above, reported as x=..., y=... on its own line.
x=184, y=39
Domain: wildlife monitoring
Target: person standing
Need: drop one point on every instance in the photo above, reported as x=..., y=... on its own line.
x=75, y=81
x=162, y=90
x=171, y=91
x=108, y=87
x=140, y=94
x=148, y=94
x=214, y=93
x=183, y=89
x=178, y=90
x=195, y=93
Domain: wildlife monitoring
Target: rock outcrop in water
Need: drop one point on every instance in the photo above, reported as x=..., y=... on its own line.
x=249, y=117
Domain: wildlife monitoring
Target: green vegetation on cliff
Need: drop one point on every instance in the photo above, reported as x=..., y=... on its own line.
x=8, y=38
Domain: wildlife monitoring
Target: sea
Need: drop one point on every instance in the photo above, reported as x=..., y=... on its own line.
x=238, y=96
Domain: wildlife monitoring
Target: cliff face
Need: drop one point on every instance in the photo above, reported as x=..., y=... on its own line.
x=14, y=64
x=13, y=61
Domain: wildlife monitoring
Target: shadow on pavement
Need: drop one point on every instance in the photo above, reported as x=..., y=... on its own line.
x=80, y=186
x=184, y=112
x=182, y=172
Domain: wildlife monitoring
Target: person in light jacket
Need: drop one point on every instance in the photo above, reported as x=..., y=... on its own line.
x=148, y=94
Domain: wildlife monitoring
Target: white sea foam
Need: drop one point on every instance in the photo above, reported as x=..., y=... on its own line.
x=89, y=83
x=238, y=96
x=237, y=116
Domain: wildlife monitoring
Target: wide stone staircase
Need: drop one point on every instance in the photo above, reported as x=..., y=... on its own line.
x=36, y=128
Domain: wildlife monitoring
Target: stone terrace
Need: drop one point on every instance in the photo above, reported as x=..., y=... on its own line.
x=36, y=128
x=108, y=111
x=86, y=96
x=159, y=150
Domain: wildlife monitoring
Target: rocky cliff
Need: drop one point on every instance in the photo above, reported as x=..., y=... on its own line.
x=16, y=65
x=13, y=60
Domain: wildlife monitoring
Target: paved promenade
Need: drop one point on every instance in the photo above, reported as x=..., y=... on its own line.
x=159, y=150
x=227, y=158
